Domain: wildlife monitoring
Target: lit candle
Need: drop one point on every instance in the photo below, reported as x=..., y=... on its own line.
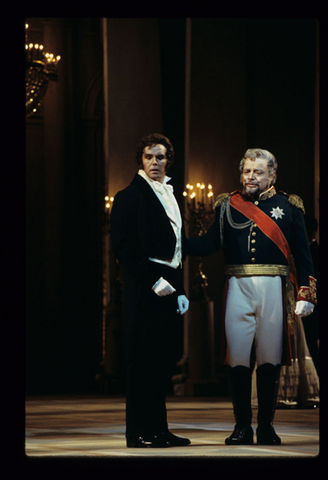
x=210, y=194
x=37, y=52
x=211, y=197
x=107, y=204
x=191, y=188
x=193, y=197
x=199, y=192
x=202, y=187
x=26, y=27
x=30, y=47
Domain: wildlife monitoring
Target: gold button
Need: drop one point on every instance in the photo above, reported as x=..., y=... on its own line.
x=253, y=250
x=253, y=259
x=256, y=202
x=253, y=233
x=254, y=225
x=253, y=241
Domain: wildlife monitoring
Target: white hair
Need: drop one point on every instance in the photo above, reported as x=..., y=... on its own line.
x=253, y=153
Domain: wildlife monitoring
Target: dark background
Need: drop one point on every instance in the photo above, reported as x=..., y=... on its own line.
x=214, y=86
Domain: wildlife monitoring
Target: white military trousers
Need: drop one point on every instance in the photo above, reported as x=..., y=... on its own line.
x=254, y=313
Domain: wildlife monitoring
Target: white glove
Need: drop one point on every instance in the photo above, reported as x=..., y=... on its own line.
x=303, y=308
x=183, y=304
x=162, y=288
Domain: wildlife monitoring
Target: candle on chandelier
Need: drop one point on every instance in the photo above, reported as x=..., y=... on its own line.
x=37, y=52
x=210, y=194
x=107, y=205
x=193, y=198
x=202, y=188
x=198, y=185
x=30, y=47
x=211, y=198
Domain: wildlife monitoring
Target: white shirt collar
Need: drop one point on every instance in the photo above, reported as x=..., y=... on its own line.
x=150, y=180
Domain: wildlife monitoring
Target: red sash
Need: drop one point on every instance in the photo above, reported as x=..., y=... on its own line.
x=268, y=227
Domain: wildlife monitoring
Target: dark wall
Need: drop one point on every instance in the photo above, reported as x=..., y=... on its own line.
x=173, y=83
x=64, y=197
x=133, y=86
x=218, y=128
x=280, y=67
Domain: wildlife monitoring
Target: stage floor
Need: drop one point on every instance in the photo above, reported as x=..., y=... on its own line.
x=93, y=426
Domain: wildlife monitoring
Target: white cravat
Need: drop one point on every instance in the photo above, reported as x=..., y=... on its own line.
x=164, y=193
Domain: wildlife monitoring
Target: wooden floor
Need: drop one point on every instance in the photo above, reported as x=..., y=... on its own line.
x=93, y=426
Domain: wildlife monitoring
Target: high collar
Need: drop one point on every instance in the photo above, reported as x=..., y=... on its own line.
x=271, y=192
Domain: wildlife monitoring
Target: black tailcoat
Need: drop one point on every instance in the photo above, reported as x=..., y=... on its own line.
x=140, y=228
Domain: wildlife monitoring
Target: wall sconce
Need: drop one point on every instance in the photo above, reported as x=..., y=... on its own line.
x=40, y=68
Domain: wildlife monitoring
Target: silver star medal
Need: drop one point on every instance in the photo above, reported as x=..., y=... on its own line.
x=277, y=213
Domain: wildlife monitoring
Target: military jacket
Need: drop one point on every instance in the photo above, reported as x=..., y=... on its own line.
x=249, y=251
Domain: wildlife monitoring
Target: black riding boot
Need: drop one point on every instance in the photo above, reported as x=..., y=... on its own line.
x=267, y=377
x=240, y=383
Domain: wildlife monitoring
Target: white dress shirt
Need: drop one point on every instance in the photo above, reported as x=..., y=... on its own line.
x=164, y=193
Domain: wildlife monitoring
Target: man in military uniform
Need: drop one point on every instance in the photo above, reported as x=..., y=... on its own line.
x=263, y=237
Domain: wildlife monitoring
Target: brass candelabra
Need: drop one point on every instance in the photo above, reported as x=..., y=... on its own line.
x=199, y=213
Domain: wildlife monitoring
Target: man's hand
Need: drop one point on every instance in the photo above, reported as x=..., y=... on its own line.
x=162, y=288
x=303, y=308
x=183, y=304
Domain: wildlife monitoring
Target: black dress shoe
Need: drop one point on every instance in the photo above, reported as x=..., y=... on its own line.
x=267, y=436
x=153, y=441
x=240, y=436
x=174, y=440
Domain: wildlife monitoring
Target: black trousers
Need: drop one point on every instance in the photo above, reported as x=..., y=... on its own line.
x=149, y=360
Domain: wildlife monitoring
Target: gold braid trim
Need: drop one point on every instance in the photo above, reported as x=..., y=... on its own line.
x=297, y=201
x=258, y=269
x=220, y=199
x=290, y=306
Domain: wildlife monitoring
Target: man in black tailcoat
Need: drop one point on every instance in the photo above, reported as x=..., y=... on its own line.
x=148, y=240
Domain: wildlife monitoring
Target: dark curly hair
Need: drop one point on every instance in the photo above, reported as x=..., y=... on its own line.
x=150, y=141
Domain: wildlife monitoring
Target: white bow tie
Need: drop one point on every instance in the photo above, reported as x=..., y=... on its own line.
x=162, y=187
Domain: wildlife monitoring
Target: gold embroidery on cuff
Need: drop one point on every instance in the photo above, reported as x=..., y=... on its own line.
x=309, y=294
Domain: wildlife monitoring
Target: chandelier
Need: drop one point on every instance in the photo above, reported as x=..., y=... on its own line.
x=41, y=68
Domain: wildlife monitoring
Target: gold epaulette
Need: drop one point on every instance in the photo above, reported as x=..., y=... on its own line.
x=295, y=200
x=220, y=199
